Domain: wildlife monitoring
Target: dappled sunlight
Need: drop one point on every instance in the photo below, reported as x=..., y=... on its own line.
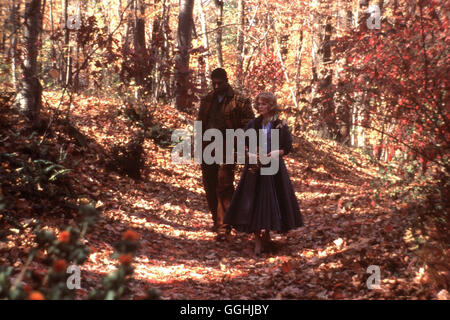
x=178, y=250
x=89, y=106
x=346, y=229
x=163, y=272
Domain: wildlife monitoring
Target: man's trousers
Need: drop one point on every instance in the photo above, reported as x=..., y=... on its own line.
x=218, y=183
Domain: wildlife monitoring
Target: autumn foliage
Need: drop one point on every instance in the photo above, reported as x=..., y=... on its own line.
x=398, y=76
x=93, y=184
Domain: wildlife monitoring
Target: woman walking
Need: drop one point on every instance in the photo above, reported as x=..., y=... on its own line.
x=264, y=203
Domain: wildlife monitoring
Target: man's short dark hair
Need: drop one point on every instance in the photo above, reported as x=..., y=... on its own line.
x=219, y=73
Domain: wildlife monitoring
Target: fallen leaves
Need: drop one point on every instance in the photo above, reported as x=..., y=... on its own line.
x=286, y=267
x=338, y=242
x=344, y=233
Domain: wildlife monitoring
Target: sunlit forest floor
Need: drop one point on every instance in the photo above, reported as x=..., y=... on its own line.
x=347, y=228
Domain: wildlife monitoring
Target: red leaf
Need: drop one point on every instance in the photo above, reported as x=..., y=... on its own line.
x=286, y=267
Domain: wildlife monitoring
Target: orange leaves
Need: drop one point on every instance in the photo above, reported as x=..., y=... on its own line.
x=36, y=295
x=54, y=73
x=430, y=152
x=337, y=293
x=131, y=235
x=60, y=266
x=125, y=259
x=339, y=205
x=286, y=267
x=64, y=236
x=345, y=229
x=376, y=151
x=391, y=152
x=424, y=163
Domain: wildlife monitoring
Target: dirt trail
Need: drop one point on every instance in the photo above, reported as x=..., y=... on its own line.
x=345, y=231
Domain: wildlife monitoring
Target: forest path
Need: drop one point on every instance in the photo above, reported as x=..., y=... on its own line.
x=350, y=223
x=345, y=229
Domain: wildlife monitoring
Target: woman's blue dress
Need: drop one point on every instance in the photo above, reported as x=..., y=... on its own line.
x=265, y=202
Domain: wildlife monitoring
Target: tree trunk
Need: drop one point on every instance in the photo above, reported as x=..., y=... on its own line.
x=240, y=44
x=126, y=48
x=139, y=43
x=29, y=98
x=167, y=89
x=139, y=25
x=66, y=68
x=315, y=45
x=326, y=78
x=205, y=76
x=53, y=56
x=321, y=96
x=156, y=49
x=358, y=136
x=182, y=74
x=76, y=81
x=283, y=67
x=3, y=47
x=219, y=32
x=342, y=108
x=14, y=22
x=381, y=5
x=40, y=41
x=160, y=48
x=298, y=63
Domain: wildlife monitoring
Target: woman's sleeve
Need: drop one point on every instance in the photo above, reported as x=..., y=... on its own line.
x=248, y=125
x=285, y=139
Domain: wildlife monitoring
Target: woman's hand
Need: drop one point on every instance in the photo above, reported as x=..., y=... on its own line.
x=252, y=158
x=276, y=153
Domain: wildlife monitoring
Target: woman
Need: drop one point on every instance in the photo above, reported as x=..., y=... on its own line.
x=262, y=203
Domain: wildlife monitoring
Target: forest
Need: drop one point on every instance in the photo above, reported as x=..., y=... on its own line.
x=92, y=205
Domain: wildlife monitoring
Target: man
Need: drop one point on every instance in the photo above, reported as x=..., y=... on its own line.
x=221, y=109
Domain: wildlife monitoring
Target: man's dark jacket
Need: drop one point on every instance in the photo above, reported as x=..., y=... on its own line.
x=237, y=109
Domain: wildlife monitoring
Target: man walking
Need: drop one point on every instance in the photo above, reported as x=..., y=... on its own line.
x=221, y=109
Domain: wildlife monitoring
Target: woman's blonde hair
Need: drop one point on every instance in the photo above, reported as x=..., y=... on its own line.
x=271, y=99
